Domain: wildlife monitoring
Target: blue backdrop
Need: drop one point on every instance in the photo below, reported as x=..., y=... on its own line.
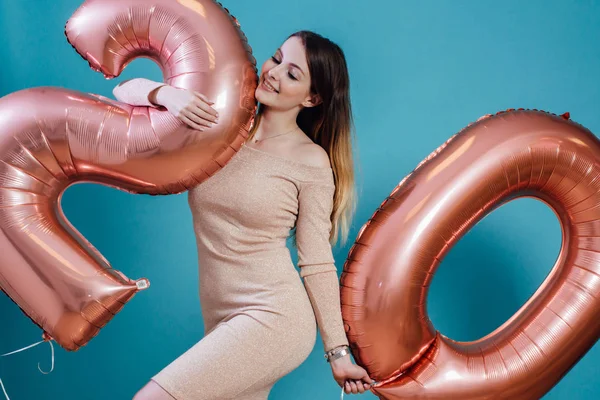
x=420, y=71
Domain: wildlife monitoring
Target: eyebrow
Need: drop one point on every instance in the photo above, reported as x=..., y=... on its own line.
x=292, y=64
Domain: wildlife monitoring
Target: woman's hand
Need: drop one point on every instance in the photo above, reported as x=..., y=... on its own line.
x=193, y=108
x=353, y=378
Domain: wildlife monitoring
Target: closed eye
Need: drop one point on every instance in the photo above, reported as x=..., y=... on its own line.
x=276, y=61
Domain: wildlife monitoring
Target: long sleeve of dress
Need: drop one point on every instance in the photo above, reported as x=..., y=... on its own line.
x=135, y=91
x=316, y=262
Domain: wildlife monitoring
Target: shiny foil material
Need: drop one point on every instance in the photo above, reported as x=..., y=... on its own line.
x=51, y=138
x=386, y=278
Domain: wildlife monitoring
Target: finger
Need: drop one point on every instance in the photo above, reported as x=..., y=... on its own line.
x=347, y=387
x=197, y=119
x=185, y=117
x=354, y=388
x=206, y=107
x=203, y=97
x=360, y=387
x=367, y=379
x=361, y=374
x=190, y=122
x=203, y=114
x=367, y=386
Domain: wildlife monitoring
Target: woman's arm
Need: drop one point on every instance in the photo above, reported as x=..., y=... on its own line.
x=324, y=293
x=317, y=268
x=190, y=107
x=138, y=92
x=315, y=259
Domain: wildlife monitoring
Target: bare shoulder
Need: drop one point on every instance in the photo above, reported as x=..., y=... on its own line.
x=312, y=154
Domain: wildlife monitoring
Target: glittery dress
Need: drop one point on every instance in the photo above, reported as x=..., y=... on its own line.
x=260, y=318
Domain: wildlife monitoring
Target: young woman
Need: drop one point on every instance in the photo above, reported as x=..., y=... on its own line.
x=294, y=172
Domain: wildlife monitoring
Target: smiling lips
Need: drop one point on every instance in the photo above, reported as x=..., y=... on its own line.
x=269, y=87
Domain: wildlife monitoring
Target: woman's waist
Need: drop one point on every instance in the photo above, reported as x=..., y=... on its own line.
x=250, y=275
x=233, y=249
x=257, y=259
x=280, y=298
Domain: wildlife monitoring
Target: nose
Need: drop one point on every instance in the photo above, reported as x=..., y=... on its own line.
x=273, y=73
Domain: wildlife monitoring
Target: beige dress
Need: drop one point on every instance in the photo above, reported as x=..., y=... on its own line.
x=260, y=319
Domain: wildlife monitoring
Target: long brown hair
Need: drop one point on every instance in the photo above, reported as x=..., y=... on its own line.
x=330, y=124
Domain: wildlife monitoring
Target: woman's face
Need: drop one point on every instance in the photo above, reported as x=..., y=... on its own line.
x=284, y=78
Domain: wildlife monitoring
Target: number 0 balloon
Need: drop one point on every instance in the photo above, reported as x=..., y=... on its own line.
x=391, y=265
x=51, y=138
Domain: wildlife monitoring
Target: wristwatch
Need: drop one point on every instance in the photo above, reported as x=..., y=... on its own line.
x=336, y=353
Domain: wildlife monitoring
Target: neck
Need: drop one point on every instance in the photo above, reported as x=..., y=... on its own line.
x=275, y=121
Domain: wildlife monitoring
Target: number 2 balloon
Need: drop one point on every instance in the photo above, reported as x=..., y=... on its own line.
x=51, y=138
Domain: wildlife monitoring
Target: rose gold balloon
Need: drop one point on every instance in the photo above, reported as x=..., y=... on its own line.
x=51, y=138
x=390, y=267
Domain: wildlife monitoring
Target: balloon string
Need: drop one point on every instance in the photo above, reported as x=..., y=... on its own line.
x=23, y=349
x=4, y=390
x=52, y=364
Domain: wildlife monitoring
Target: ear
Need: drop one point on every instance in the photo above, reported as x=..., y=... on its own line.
x=311, y=101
